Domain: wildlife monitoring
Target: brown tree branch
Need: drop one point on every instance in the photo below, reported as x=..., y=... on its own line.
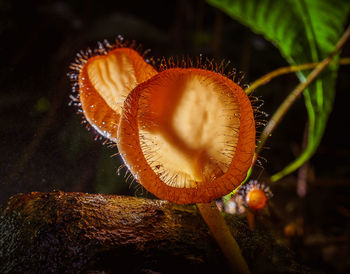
x=75, y=232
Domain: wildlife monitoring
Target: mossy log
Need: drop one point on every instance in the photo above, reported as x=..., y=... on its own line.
x=62, y=232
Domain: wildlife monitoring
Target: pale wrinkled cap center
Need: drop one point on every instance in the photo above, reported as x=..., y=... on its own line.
x=113, y=77
x=193, y=138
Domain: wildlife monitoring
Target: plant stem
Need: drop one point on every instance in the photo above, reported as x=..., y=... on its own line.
x=222, y=234
x=303, y=170
x=285, y=70
x=287, y=103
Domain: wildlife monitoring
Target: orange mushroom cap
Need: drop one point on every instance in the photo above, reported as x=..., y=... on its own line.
x=104, y=83
x=187, y=135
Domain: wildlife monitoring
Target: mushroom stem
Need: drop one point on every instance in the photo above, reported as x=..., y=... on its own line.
x=251, y=219
x=222, y=234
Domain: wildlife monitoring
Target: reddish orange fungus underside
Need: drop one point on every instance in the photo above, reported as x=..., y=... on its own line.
x=187, y=135
x=104, y=83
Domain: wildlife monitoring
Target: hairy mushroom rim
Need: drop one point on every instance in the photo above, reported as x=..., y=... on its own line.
x=187, y=135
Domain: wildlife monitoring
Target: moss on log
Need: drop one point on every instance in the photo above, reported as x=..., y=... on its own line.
x=62, y=232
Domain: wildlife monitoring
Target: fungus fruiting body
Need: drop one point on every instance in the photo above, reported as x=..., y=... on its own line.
x=250, y=197
x=256, y=195
x=256, y=199
x=105, y=80
x=187, y=135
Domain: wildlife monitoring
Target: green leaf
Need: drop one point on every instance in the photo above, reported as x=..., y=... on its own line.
x=304, y=31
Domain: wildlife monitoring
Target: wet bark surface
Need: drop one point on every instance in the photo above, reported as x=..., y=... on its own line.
x=91, y=233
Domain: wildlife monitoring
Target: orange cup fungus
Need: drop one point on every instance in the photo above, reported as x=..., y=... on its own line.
x=104, y=83
x=256, y=199
x=186, y=134
x=256, y=195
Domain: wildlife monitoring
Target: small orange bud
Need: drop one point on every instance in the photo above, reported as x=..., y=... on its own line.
x=255, y=194
x=256, y=199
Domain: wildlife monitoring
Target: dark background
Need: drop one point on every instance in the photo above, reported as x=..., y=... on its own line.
x=44, y=146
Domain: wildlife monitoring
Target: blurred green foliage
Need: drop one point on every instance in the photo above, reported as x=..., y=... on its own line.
x=304, y=31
